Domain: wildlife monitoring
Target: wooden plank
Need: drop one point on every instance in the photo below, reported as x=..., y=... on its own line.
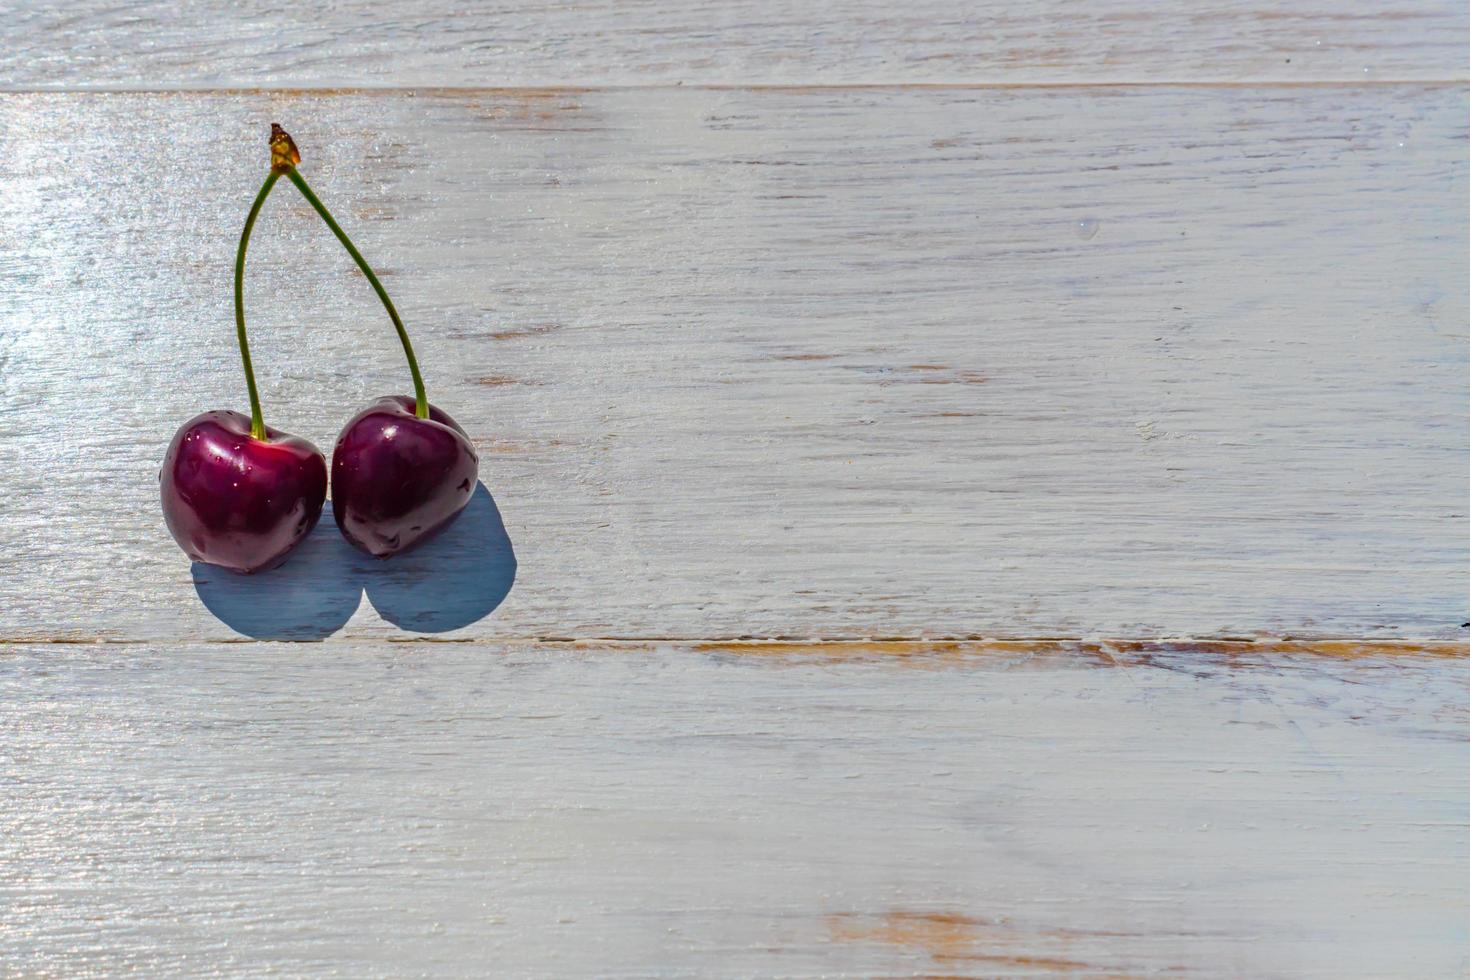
x=813, y=363
x=146, y=43
x=421, y=809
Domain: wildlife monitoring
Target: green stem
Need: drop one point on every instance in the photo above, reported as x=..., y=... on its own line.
x=421, y=409
x=257, y=423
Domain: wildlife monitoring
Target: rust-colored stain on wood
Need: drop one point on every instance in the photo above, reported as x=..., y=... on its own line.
x=529, y=105
x=374, y=213
x=518, y=332
x=957, y=378
x=949, y=937
x=857, y=650
x=1098, y=653
x=497, y=380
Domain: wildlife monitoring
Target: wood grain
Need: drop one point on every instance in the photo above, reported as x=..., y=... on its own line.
x=151, y=44
x=426, y=809
x=947, y=519
x=775, y=363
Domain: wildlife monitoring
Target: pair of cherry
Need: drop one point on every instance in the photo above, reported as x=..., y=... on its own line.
x=241, y=495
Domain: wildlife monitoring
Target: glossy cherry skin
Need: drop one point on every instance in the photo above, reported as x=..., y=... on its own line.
x=398, y=479
x=239, y=502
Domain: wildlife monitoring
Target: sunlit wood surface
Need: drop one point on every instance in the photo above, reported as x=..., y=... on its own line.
x=812, y=363
x=444, y=810
x=157, y=44
x=968, y=491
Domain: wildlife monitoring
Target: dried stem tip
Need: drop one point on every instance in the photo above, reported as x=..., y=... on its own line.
x=283, y=150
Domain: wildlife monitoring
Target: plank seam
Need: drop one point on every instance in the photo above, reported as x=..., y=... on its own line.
x=1337, y=647
x=777, y=87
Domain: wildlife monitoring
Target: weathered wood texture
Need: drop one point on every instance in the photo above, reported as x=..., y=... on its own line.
x=440, y=42
x=815, y=363
x=448, y=810
x=782, y=358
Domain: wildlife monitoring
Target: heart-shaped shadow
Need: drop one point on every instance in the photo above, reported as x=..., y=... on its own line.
x=456, y=579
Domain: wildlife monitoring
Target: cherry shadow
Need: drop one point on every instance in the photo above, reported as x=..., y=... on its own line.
x=309, y=597
x=456, y=579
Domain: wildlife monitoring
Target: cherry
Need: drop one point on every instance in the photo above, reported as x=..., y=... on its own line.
x=236, y=501
x=398, y=479
x=402, y=469
x=236, y=493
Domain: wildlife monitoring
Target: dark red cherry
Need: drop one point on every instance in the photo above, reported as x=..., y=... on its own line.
x=239, y=502
x=396, y=478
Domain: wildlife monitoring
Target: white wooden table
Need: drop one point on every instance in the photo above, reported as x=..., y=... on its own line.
x=973, y=489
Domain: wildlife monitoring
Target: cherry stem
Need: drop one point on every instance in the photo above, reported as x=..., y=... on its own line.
x=257, y=422
x=421, y=409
